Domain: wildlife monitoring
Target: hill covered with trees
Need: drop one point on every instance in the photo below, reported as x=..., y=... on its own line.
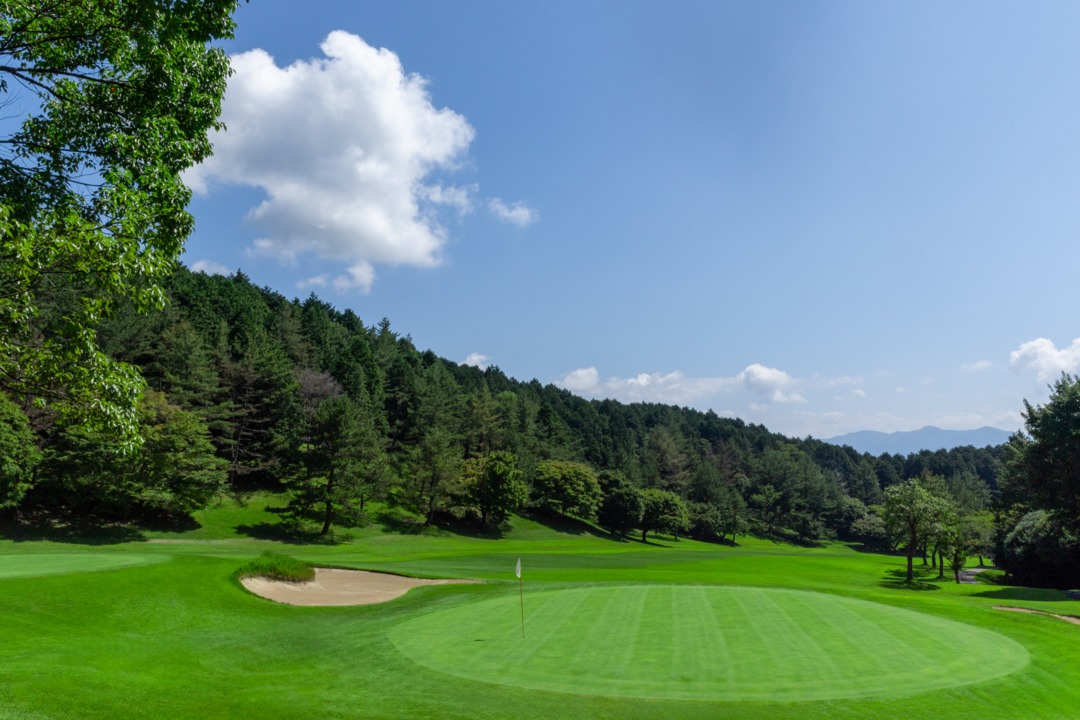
x=251, y=391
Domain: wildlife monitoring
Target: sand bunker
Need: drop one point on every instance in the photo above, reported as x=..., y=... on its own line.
x=1067, y=618
x=340, y=587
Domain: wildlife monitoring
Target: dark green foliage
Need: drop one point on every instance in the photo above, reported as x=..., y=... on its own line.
x=19, y=454
x=275, y=566
x=1041, y=551
x=621, y=510
x=1038, y=504
x=256, y=370
x=86, y=474
x=338, y=457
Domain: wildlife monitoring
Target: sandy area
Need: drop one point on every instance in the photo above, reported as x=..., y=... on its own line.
x=340, y=587
x=1066, y=618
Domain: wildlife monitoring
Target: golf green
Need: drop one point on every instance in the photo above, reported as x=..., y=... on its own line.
x=705, y=643
x=33, y=565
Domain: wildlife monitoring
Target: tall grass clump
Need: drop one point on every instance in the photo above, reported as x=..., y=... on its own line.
x=275, y=566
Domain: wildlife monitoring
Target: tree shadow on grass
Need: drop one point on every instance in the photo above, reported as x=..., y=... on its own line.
x=1025, y=593
x=925, y=579
x=289, y=534
x=69, y=533
x=569, y=525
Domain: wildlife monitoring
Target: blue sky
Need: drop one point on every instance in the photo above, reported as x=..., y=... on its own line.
x=822, y=217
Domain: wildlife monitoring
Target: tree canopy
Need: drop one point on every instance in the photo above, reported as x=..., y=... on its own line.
x=116, y=98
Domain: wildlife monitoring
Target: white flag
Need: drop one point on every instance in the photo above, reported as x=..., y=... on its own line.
x=517, y=570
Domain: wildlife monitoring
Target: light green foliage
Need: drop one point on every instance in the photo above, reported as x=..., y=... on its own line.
x=118, y=96
x=494, y=486
x=566, y=487
x=19, y=454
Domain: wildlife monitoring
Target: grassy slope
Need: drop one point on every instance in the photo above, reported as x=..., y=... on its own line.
x=180, y=639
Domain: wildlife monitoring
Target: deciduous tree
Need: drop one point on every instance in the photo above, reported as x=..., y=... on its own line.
x=118, y=98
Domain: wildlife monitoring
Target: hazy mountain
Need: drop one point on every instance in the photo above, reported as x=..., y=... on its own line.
x=928, y=438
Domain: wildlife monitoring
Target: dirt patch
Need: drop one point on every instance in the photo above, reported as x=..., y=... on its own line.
x=1067, y=618
x=341, y=587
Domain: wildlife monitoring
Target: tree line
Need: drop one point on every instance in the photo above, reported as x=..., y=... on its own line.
x=248, y=390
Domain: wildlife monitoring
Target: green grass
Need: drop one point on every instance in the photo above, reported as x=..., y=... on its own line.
x=699, y=642
x=180, y=638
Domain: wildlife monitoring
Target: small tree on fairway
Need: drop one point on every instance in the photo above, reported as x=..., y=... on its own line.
x=909, y=512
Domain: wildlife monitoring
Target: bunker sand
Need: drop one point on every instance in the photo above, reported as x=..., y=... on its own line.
x=333, y=587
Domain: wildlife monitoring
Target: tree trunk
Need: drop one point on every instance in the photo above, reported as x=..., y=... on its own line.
x=329, y=504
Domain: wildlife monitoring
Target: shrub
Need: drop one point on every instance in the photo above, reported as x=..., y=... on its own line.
x=274, y=566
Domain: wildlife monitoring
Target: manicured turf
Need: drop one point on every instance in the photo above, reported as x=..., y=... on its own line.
x=182, y=639
x=705, y=643
x=13, y=566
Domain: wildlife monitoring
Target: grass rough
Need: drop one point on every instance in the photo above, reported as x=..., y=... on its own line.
x=275, y=566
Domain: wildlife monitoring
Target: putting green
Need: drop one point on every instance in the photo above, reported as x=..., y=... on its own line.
x=15, y=566
x=705, y=643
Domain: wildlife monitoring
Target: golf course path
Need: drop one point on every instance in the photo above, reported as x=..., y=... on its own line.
x=1067, y=618
x=340, y=587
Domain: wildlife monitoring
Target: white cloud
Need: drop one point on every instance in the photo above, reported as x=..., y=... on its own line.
x=317, y=281
x=517, y=213
x=345, y=147
x=770, y=382
x=977, y=366
x=583, y=380
x=359, y=276
x=1045, y=359
x=209, y=267
x=478, y=360
x=859, y=393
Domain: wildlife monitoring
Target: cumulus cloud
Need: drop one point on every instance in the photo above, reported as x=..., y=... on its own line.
x=317, y=281
x=859, y=393
x=1045, y=359
x=517, y=213
x=584, y=380
x=478, y=360
x=771, y=383
x=346, y=148
x=209, y=267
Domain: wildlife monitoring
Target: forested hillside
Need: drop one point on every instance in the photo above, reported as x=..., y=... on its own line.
x=251, y=391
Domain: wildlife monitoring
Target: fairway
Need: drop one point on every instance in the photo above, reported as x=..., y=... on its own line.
x=705, y=643
x=14, y=566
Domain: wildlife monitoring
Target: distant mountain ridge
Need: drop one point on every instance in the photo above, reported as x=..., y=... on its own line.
x=912, y=441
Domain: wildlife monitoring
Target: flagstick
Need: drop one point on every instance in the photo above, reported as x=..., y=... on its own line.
x=521, y=591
